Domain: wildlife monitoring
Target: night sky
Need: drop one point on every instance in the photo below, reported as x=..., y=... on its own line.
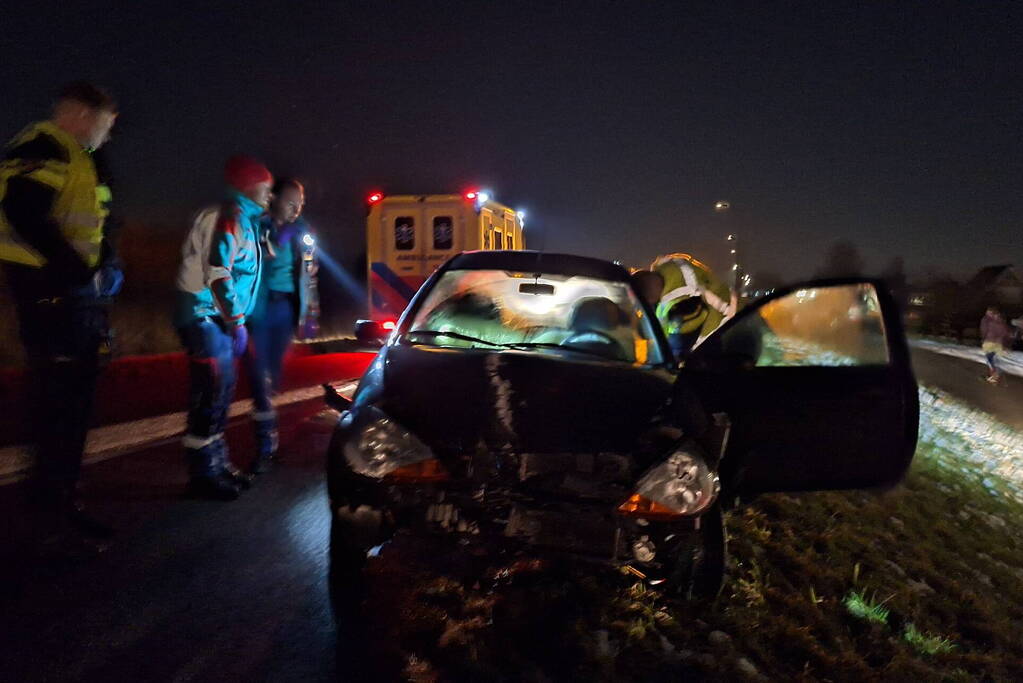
x=615, y=126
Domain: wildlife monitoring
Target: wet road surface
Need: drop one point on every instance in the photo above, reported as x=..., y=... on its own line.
x=964, y=379
x=188, y=590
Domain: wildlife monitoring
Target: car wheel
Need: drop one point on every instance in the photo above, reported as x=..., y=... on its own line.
x=699, y=568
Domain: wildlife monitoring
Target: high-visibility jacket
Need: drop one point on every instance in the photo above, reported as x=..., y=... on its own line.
x=686, y=277
x=80, y=206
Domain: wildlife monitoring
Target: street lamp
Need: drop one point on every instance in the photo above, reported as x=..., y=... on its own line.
x=723, y=208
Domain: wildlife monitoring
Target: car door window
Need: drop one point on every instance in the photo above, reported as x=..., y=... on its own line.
x=825, y=326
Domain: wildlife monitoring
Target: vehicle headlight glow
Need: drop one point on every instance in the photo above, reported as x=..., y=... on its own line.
x=681, y=486
x=383, y=448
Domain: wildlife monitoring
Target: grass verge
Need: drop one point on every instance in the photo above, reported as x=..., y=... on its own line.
x=924, y=582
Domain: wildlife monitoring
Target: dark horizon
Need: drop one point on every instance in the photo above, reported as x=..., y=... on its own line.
x=616, y=129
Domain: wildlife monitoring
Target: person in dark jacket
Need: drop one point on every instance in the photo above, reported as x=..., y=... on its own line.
x=60, y=267
x=221, y=267
x=996, y=336
x=282, y=305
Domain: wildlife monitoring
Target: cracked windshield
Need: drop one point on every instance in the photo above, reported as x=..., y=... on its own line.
x=539, y=312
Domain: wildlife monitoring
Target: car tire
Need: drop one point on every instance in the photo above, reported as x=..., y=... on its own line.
x=699, y=566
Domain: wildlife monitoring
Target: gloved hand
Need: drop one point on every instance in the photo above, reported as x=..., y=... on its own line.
x=109, y=280
x=240, y=340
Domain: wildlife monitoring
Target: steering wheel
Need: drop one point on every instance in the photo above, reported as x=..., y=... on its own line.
x=603, y=341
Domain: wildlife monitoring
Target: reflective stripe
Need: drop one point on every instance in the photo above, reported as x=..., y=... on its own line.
x=196, y=442
x=678, y=293
x=716, y=302
x=81, y=221
x=15, y=251
x=48, y=175
x=88, y=249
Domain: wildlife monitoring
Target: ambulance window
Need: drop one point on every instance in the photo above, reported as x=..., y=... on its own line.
x=443, y=234
x=404, y=233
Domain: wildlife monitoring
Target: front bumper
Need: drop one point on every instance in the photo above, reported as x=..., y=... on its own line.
x=591, y=531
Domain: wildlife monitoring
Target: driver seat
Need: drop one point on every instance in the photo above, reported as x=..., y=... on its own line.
x=592, y=323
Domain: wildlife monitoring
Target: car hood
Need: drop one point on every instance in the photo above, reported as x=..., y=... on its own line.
x=520, y=401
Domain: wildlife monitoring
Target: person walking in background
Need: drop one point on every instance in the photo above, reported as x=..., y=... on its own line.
x=61, y=270
x=221, y=264
x=996, y=336
x=289, y=270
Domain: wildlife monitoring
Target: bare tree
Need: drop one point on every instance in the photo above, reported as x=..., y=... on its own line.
x=842, y=259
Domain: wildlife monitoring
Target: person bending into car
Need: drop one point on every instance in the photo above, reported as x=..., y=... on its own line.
x=217, y=283
x=282, y=304
x=649, y=284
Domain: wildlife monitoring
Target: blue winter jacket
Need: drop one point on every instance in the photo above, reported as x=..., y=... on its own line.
x=303, y=266
x=221, y=263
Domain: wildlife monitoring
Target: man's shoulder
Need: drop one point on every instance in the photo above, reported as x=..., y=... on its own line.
x=35, y=145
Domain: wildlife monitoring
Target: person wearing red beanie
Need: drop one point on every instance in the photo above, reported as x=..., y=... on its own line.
x=246, y=175
x=217, y=283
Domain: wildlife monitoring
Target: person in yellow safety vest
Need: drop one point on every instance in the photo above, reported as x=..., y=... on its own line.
x=693, y=302
x=61, y=271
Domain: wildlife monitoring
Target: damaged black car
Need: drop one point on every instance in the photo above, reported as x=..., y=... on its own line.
x=529, y=402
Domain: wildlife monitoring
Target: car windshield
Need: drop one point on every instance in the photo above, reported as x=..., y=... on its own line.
x=538, y=312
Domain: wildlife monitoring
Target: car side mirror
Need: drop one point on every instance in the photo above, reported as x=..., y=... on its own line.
x=373, y=332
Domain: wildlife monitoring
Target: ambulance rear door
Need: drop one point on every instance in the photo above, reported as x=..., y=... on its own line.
x=400, y=273
x=444, y=233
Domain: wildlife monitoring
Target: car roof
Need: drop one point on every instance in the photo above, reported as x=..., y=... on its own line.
x=539, y=262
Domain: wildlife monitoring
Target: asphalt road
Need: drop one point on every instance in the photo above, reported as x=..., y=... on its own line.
x=189, y=590
x=206, y=591
x=965, y=380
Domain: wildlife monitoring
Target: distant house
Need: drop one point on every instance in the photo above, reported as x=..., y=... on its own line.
x=998, y=286
x=945, y=307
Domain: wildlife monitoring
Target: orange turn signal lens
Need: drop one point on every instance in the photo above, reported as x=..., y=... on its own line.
x=638, y=506
x=423, y=472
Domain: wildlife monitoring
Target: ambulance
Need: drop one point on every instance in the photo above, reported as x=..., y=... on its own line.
x=409, y=236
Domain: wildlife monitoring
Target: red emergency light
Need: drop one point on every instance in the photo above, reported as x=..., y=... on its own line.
x=389, y=325
x=471, y=195
x=374, y=198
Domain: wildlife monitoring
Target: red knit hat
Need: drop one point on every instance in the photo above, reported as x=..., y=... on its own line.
x=242, y=172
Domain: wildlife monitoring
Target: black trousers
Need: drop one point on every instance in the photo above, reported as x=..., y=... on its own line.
x=62, y=337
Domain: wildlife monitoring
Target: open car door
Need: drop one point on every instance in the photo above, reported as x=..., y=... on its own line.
x=817, y=382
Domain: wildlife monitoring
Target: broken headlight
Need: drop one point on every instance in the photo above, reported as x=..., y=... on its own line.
x=383, y=449
x=681, y=486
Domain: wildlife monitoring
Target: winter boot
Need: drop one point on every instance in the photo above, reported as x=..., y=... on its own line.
x=228, y=469
x=207, y=478
x=266, y=441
